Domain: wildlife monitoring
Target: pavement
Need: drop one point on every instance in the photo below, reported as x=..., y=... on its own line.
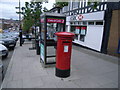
x=89, y=69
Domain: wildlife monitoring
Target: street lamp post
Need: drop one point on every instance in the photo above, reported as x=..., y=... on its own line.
x=20, y=29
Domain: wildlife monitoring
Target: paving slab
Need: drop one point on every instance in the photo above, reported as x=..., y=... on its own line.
x=89, y=69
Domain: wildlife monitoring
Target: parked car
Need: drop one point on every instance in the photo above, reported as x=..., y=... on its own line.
x=8, y=42
x=27, y=36
x=10, y=35
x=1, y=71
x=3, y=51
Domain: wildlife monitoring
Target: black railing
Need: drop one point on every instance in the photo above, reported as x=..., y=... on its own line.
x=88, y=9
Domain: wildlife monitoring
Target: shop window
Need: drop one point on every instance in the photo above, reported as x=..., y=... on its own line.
x=84, y=23
x=77, y=30
x=90, y=23
x=80, y=23
x=80, y=32
x=82, y=38
x=72, y=29
x=76, y=23
x=99, y=23
x=83, y=33
x=76, y=37
x=72, y=23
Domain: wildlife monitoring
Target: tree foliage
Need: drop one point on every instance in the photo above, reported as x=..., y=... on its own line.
x=45, y=9
x=93, y=3
x=60, y=4
x=31, y=15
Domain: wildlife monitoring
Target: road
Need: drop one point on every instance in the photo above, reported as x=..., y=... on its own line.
x=6, y=61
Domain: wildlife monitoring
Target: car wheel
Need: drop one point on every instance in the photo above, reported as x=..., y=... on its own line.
x=13, y=48
x=15, y=44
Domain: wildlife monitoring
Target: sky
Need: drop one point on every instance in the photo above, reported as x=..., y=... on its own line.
x=8, y=11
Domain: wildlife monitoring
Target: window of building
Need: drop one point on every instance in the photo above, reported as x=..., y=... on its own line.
x=71, y=23
x=72, y=29
x=83, y=33
x=76, y=37
x=76, y=23
x=82, y=38
x=99, y=23
x=84, y=23
x=90, y=23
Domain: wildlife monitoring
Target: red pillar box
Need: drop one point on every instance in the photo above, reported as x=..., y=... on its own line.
x=63, y=53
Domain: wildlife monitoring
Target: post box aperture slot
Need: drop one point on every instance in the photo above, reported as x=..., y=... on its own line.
x=66, y=42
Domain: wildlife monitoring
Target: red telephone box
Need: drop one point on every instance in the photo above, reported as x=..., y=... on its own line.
x=50, y=24
x=63, y=53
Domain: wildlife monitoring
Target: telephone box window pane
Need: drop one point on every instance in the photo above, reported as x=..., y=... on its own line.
x=42, y=31
x=52, y=28
x=99, y=23
x=51, y=50
x=90, y=23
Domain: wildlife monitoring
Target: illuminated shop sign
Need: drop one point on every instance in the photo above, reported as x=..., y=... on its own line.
x=98, y=16
x=54, y=20
x=79, y=17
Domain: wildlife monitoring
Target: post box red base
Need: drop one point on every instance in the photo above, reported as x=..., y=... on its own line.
x=62, y=73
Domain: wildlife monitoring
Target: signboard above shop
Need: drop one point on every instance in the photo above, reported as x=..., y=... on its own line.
x=55, y=20
x=87, y=16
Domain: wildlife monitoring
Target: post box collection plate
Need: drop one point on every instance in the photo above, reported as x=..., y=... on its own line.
x=65, y=48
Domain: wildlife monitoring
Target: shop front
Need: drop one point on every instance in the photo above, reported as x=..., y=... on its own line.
x=88, y=29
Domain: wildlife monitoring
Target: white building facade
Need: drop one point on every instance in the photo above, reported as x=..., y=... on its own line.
x=87, y=26
x=95, y=26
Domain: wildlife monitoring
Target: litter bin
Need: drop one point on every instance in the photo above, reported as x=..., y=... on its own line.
x=63, y=54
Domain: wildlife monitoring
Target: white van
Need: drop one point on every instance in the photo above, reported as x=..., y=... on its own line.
x=3, y=51
x=1, y=71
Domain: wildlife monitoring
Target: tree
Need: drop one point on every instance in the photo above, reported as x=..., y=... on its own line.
x=27, y=17
x=31, y=15
x=45, y=9
x=60, y=4
x=93, y=3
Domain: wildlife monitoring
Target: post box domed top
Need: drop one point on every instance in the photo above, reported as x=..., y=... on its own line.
x=64, y=34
